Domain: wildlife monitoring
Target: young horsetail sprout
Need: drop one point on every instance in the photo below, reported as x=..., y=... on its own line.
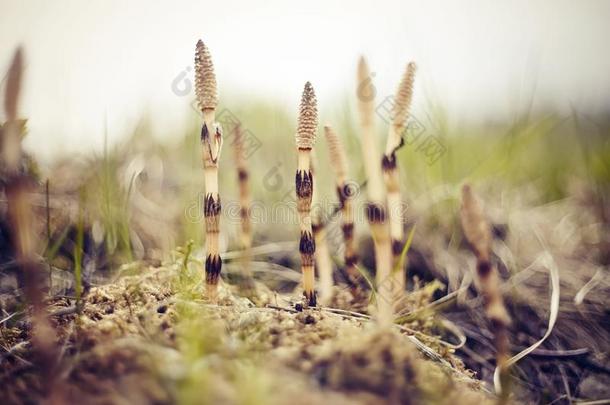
x=244, y=210
x=18, y=187
x=322, y=255
x=400, y=112
x=478, y=233
x=305, y=139
x=211, y=145
x=376, y=206
x=345, y=194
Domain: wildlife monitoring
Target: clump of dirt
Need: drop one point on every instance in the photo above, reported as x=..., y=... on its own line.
x=385, y=364
x=104, y=345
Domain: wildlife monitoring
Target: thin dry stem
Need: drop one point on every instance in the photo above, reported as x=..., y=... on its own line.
x=13, y=86
x=345, y=193
x=365, y=93
x=11, y=137
x=337, y=156
x=211, y=146
x=478, y=233
x=366, y=105
x=474, y=225
x=322, y=255
x=383, y=267
x=376, y=209
x=305, y=139
x=18, y=188
x=391, y=176
x=244, y=211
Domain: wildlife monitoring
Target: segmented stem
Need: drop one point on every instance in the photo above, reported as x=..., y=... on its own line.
x=211, y=146
x=305, y=139
x=18, y=187
x=244, y=210
x=345, y=193
x=366, y=106
x=478, y=233
x=402, y=104
x=376, y=207
x=322, y=254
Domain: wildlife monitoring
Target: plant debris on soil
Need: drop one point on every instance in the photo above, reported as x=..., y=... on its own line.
x=148, y=338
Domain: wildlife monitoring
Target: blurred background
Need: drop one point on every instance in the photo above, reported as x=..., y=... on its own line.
x=98, y=67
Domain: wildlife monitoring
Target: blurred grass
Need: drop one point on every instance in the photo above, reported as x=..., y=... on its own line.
x=114, y=198
x=551, y=153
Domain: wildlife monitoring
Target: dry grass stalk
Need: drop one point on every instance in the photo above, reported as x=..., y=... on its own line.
x=244, y=211
x=376, y=206
x=400, y=112
x=18, y=187
x=305, y=139
x=211, y=145
x=322, y=254
x=338, y=162
x=478, y=233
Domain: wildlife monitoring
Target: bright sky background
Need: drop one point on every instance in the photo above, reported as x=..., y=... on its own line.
x=87, y=60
